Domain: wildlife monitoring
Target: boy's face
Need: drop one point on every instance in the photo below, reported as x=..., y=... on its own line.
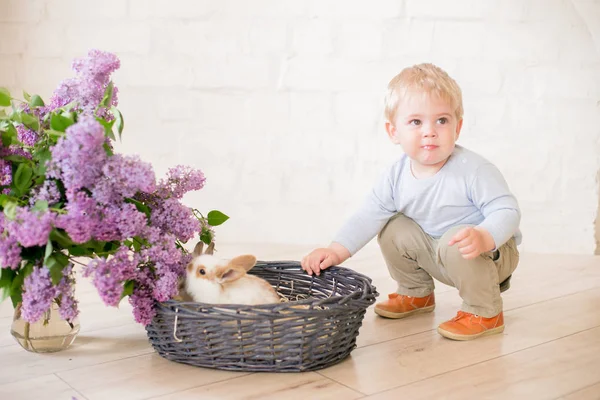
x=427, y=129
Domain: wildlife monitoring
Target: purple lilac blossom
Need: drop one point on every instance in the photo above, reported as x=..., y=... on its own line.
x=27, y=136
x=109, y=274
x=180, y=180
x=31, y=228
x=123, y=176
x=10, y=252
x=47, y=192
x=82, y=217
x=66, y=290
x=166, y=286
x=79, y=156
x=38, y=294
x=141, y=299
x=120, y=223
x=13, y=150
x=173, y=217
x=88, y=86
x=5, y=173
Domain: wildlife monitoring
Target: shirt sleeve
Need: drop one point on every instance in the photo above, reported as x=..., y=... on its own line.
x=376, y=209
x=499, y=207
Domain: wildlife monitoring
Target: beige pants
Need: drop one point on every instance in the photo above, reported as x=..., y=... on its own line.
x=413, y=258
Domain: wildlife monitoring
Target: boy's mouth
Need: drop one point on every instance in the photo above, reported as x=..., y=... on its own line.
x=429, y=147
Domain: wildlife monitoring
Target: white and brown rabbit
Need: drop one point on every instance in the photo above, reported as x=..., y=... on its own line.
x=210, y=279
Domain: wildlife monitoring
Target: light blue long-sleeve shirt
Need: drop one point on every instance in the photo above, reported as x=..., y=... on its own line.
x=467, y=190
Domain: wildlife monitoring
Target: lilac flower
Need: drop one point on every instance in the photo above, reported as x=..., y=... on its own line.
x=13, y=150
x=109, y=274
x=141, y=299
x=180, y=180
x=165, y=287
x=173, y=217
x=81, y=219
x=164, y=254
x=88, y=87
x=66, y=294
x=31, y=228
x=10, y=252
x=47, y=192
x=27, y=136
x=38, y=294
x=79, y=156
x=120, y=223
x=123, y=176
x=5, y=173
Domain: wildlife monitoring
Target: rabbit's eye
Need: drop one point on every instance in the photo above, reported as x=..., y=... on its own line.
x=202, y=271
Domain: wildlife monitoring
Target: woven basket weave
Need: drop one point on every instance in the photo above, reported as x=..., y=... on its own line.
x=299, y=335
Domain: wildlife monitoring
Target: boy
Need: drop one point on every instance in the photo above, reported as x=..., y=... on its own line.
x=441, y=211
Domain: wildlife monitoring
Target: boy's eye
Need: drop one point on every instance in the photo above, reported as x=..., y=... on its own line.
x=443, y=120
x=415, y=122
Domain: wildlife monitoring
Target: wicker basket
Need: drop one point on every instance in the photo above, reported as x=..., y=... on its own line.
x=316, y=328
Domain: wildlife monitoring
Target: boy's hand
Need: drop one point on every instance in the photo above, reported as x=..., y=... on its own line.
x=323, y=258
x=472, y=241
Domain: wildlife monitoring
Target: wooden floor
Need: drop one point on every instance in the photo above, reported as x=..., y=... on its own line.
x=550, y=348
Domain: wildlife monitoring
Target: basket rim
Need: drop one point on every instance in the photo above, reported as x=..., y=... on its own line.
x=368, y=292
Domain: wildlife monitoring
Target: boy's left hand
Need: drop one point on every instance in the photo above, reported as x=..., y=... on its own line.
x=472, y=241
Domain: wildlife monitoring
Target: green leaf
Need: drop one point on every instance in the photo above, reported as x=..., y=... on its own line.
x=56, y=263
x=127, y=289
x=79, y=251
x=141, y=207
x=22, y=178
x=4, y=97
x=49, y=249
x=10, y=210
x=107, y=127
x=4, y=198
x=60, y=123
x=6, y=278
x=9, y=135
x=206, y=237
x=36, y=101
x=119, y=121
x=26, y=96
x=108, y=95
x=61, y=238
x=16, y=288
x=42, y=157
x=216, y=218
x=30, y=121
x=40, y=205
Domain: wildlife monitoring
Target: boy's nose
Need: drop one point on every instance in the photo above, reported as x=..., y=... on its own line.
x=429, y=131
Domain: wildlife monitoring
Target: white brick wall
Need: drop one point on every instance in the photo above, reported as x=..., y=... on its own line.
x=280, y=101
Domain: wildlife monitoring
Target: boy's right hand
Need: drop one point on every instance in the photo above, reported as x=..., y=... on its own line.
x=323, y=258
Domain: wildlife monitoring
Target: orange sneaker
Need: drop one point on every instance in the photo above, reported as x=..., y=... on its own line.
x=401, y=306
x=467, y=326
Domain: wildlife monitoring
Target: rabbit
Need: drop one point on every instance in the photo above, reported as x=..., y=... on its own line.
x=210, y=279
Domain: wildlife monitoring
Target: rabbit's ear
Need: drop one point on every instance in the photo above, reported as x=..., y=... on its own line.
x=231, y=273
x=198, y=249
x=211, y=248
x=246, y=262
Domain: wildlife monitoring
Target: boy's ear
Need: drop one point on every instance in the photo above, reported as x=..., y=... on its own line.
x=391, y=131
x=458, y=128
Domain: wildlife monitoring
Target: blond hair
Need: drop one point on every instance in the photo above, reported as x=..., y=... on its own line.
x=426, y=78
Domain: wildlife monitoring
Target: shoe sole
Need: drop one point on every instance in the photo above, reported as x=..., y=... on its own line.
x=395, y=315
x=456, y=336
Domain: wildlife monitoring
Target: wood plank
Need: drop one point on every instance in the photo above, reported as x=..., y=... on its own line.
x=140, y=377
x=265, y=386
x=591, y=392
x=47, y=387
x=541, y=372
x=402, y=361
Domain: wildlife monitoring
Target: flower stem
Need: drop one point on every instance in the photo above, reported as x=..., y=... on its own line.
x=26, y=335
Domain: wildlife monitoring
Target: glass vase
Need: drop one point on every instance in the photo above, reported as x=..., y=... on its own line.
x=49, y=334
